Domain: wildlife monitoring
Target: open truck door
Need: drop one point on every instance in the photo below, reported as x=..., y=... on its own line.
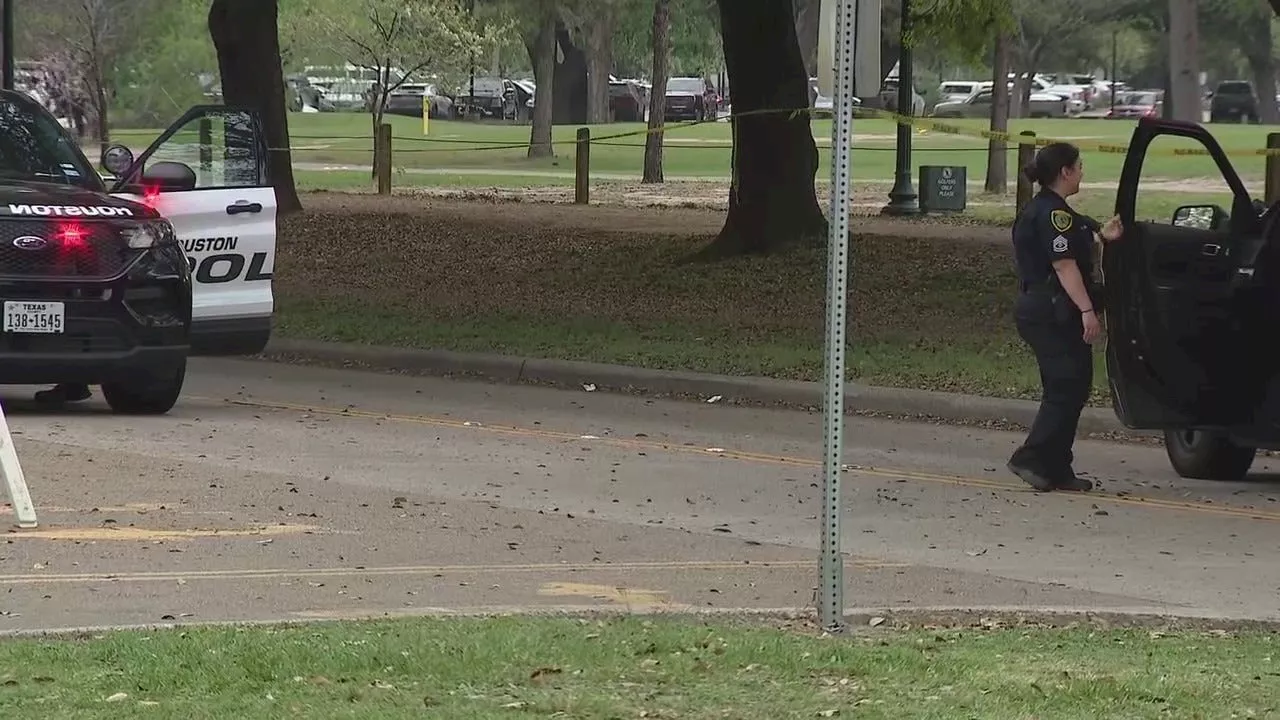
x=226, y=224
x=1181, y=309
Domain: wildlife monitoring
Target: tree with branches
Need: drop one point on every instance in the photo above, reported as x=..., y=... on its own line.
x=397, y=39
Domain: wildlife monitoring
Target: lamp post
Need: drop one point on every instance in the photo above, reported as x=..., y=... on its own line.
x=6, y=39
x=902, y=198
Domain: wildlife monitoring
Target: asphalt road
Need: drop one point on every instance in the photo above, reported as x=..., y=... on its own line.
x=278, y=491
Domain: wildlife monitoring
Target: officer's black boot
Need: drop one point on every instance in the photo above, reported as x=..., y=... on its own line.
x=1030, y=471
x=1067, y=480
x=64, y=393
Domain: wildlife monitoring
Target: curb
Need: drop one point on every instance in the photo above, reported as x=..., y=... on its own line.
x=856, y=620
x=733, y=389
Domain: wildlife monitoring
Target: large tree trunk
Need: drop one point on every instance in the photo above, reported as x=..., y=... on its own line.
x=772, y=202
x=569, y=98
x=246, y=37
x=997, y=150
x=658, y=92
x=807, y=15
x=1184, y=60
x=599, y=51
x=1020, y=103
x=542, y=51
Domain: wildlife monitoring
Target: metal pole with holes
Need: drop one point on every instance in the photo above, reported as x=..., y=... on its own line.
x=831, y=589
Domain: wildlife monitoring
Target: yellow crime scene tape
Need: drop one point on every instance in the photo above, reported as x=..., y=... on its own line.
x=919, y=123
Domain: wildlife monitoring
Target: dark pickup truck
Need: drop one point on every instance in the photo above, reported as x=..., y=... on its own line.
x=1234, y=101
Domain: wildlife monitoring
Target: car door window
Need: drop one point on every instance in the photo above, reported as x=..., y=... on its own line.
x=220, y=145
x=1199, y=184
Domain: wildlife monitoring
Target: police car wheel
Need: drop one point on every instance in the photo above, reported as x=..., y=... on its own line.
x=1204, y=455
x=155, y=395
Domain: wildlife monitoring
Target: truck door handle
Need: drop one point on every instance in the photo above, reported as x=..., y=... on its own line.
x=1212, y=250
x=244, y=207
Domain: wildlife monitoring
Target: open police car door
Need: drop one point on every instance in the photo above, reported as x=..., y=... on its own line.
x=1178, y=306
x=226, y=224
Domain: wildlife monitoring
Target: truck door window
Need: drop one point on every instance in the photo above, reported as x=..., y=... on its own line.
x=220, y=146
x=1170, y=181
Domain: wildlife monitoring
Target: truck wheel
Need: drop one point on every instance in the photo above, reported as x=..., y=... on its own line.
x=154, y=395
x=1203, y=455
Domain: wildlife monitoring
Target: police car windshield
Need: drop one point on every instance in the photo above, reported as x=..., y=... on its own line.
x=34, y=147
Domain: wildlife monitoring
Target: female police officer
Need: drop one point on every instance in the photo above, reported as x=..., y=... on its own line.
x=1056, y=313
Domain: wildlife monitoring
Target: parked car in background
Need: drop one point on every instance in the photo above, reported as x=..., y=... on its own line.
x=1133, y=105
x=690, y=98
x=978, y=105
x=409, y=98
x=888, y=98
x=493, y=97
x=1234, y=101
x=952, y=90
x=823, y=105
x=628, y=101
x=345, y=94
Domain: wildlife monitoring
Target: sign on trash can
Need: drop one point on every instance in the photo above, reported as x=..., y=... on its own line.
x=942, y=188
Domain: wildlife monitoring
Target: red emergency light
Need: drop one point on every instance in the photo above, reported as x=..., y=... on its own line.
x=150, y=195
x=71, y=236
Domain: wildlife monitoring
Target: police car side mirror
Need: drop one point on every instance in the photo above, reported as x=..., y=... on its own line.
x=116, y=159
x=1200, y=217
x=169, y=176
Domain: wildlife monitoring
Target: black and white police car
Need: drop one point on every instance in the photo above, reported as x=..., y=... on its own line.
x=117, y=285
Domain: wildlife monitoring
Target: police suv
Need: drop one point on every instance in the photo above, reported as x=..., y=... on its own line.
x=118, y=285
x=1191, y=307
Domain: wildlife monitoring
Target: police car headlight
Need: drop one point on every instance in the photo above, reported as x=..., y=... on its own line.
x=153, y=233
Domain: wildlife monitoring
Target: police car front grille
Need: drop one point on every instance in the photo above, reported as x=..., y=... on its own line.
x=101, y=253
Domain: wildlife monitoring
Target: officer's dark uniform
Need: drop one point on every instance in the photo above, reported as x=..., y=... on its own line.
x=1049, y=321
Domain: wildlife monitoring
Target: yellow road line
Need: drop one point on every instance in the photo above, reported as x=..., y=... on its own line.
x=139, y=508
x=638, y=444
x=126, y=533
x=535, y=568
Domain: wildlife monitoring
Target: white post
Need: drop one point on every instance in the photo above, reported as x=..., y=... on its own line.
x=831, y=601
x=14, y=480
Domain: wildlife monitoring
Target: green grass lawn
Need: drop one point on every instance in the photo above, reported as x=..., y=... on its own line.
x=703, y=150
x=634, y=668
x=527, y=280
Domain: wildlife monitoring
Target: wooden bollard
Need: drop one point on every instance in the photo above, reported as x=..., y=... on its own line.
x=582, y=168
x=382, y=159
x=1026, y=153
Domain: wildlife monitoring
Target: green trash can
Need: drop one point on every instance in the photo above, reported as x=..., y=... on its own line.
x=943, y=188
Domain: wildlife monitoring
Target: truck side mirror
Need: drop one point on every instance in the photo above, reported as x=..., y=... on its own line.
x=1200, y=217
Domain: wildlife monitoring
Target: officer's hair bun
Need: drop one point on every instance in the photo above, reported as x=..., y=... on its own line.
x=1050, y=161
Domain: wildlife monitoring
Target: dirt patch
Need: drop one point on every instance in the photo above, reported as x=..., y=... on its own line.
x=929, y=302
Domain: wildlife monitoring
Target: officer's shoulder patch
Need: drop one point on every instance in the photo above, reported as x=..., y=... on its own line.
x=1061, y=220
x=1059, y=243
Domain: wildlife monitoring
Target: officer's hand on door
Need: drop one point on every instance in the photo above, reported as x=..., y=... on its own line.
x=1092, y=326
x=1112, y=230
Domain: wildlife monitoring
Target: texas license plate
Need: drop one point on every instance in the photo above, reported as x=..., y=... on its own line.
x=34, y=317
